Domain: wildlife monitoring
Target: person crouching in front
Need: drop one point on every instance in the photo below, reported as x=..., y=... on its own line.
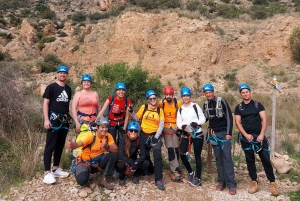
x=129, y=162
x=92, y=158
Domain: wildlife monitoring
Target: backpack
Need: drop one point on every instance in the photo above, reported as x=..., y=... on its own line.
x=240, y=105
x=175, y=102
x=219, y=109
x=112, y=103
x=146, y=108
x=195, y=108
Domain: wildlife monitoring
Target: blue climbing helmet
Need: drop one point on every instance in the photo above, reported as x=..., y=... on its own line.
x=86, y=77
x=185, y=91
x=62, y=69
x=208, y=87
x=120, y=85
x=133, y=126
x=149, y=93
x=244, y=86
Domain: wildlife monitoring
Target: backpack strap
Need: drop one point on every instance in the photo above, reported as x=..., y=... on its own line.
x=195, y=108
x=92, y=143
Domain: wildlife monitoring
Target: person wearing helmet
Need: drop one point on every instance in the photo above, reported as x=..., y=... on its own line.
x=85, y=103
x=93, y=154
x=218, y=113
x=189, y=120
x=169, y=106
x=152, y=124
x=115, y=107
x=56, y=121
x=253, y=139
x=130, y=159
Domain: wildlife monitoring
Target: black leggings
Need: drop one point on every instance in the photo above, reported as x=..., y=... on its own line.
x=55, y=142
x=197, y=144
x=107, y=163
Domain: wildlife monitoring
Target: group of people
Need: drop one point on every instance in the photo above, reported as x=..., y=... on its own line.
x=114, y=144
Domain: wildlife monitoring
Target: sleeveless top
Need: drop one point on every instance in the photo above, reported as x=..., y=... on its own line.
x=87, y=104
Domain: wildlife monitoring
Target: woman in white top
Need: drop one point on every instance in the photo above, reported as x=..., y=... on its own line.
x=189, y=119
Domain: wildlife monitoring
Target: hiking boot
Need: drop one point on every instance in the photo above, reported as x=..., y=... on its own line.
x=191, y=178
x=60, y=173
x=122, y=182
x=274, y=190
x=175, y=177
x=49, y=178
x=220, y=186
x=196, y=182
x=232, y=190
x=136, y=180
x=104, y=183
x=254, y=187
x=160, y=185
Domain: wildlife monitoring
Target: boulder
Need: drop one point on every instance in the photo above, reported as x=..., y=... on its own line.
x=280, y=165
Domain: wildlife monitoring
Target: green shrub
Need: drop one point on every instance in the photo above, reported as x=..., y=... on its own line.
x=261, y=2
x=47, y=39
x=62, y=34
x=53, y=59
x=165, y=4
x=41, y=46
x=44, y=11
x=288, y=145
x=40, y=34
x=228, y=11
x=259, y=12
x=294, y=195
x=295, y=44
x=277, y=8
x=79, y=17
x=196, y=6
x=226, y=1
x=2, y=56
x=47, y=67
x=137, y=80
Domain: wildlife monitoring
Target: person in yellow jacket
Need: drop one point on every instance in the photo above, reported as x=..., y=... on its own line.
x=152, y=123
x=169, y=106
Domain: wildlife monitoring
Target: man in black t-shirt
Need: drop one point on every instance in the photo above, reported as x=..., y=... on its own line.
x=56, y=120
x=251, y=120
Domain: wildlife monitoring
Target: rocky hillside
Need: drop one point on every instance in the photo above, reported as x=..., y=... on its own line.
x=177, y=49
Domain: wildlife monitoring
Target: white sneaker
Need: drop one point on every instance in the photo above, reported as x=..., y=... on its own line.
x=60, y=173
x=49, y=178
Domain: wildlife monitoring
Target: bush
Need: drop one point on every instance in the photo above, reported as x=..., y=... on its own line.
x=261, y=2
x=196, y=6
x=21, y=127
x=44, y=11
x=259, y=12
x=136, y=79
x=41, y=46
x=47, y=39
x=79, y=17
x=49, y=64
x=295, y=44
x=228, y=11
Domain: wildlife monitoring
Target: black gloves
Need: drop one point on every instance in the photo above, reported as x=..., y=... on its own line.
x=130, y=109
x=134, y=166
x=154, y=140
x=194, y=125
x=183, y=127
x=178, y=133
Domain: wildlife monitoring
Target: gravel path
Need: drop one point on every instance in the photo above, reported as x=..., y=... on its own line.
x=66, y=189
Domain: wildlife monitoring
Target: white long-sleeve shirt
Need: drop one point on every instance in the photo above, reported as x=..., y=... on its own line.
x=187, y=115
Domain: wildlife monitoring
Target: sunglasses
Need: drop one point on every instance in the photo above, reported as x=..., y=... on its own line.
x=133, y=131
x=152, y=99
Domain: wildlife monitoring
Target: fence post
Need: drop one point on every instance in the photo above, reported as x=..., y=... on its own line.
x=273, y=133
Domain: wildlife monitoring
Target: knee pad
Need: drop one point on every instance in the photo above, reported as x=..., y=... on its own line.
x=171, y=154
x=177, y=152
x=82, y=174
